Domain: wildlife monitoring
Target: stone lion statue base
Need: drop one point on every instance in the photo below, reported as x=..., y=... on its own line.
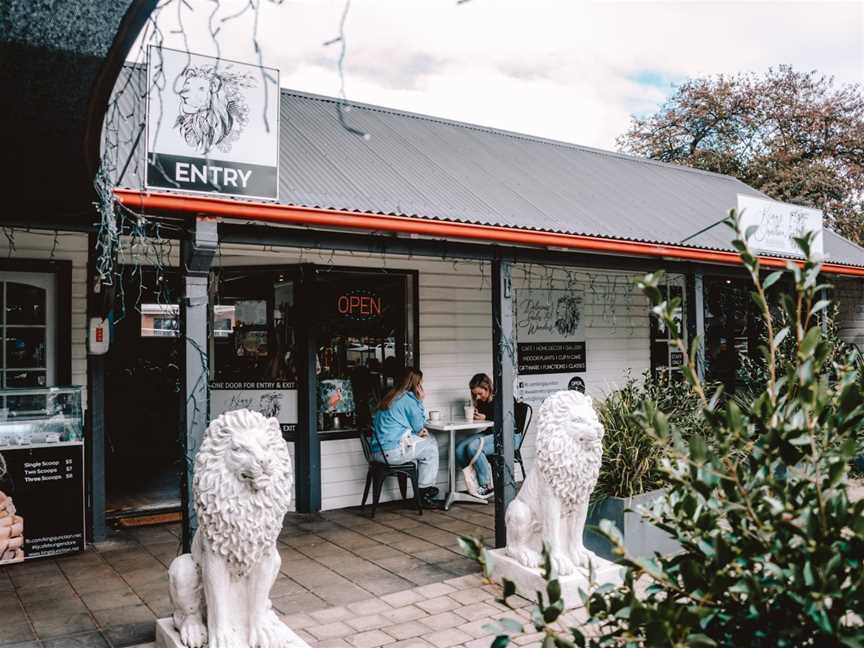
x=220, y=592
x=552, y=504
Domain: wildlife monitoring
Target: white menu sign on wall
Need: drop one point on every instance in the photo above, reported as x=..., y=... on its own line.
x=778, y=224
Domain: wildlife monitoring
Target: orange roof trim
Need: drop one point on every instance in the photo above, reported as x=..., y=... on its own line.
x=310, y=216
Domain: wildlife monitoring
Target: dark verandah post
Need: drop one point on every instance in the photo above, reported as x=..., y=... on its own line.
x=197, y=255
x=307, y=445
x=503, y=352
x=96, y=402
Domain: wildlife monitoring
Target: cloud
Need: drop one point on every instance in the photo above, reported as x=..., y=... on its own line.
x=573, y=70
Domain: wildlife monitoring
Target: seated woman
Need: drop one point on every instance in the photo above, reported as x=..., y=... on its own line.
x=482, y=444
x=399, y=433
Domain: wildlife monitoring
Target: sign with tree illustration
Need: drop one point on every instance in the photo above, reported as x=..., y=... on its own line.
x=212, y=125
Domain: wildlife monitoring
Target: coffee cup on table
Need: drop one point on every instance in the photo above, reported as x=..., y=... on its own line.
x=469, y=412
x=434, y=416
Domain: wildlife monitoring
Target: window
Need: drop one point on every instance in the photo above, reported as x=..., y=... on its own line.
x=732, y=328
x=28, y=329
x=363, y=323
x=665, y=356
x=365, y=339
x=160, y=320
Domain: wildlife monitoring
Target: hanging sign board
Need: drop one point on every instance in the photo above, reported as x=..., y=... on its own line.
x=212, y=125
x=272, y=399
x=41, y=500
x=550, y=342
x=779, y=224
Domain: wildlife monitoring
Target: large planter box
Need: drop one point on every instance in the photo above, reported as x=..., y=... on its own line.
x=640, y=536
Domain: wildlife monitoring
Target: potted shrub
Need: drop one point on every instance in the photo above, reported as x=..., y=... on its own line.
x=630, y=476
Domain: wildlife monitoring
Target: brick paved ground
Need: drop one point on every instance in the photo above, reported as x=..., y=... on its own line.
x=112, y=594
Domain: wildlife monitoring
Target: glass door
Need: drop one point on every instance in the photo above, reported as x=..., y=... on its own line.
x=252, y=343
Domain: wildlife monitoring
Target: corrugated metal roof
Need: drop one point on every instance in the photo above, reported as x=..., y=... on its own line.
x=415, y=165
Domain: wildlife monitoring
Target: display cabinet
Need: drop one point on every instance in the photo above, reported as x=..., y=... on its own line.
x=42, y=501
x=36, y=416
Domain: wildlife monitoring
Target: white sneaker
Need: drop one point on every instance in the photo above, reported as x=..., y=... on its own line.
x=471, y=483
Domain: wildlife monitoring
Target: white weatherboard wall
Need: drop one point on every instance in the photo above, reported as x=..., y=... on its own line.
x=617, y=322
x=848, y=296
x=456, y=339
x=65, y=246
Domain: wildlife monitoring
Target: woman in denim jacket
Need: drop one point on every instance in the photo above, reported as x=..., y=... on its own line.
x=400, y=435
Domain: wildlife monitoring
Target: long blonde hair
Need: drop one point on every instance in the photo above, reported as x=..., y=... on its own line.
x=410, y=381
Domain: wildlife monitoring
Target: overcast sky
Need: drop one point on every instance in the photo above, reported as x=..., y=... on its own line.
x=571, y=70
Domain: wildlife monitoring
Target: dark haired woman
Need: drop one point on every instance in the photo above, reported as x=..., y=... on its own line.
x=400, y=435
x=473, y=449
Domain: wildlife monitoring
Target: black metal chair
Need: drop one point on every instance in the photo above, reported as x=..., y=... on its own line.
x=379, y=471
x=523, y=412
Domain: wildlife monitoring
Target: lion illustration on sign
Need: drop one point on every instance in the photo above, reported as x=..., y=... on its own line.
x=213, y=108
x=270, y=404
x=242, y=486
x=567, y=315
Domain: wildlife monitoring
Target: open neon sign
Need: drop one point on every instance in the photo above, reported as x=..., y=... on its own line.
x=359, y=304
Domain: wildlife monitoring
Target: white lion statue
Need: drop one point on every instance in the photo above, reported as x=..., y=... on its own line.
x=553, y=503
x=242, y=486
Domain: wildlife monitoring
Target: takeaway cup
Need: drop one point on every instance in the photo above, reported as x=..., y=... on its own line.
x=434, y=416
x=469, y=412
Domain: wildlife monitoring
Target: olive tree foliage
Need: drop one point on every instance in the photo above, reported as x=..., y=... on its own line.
x=796, y=136
x=772, y=548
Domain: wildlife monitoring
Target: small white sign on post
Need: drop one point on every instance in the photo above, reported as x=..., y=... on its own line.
x=212, y=125
x=779, y=224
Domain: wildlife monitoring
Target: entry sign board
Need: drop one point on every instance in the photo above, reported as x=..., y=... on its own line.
x=212, y=125
x=45, y=484
x=779, y=224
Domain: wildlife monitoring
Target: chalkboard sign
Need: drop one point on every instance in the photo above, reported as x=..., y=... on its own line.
x=42, y=501
x=550, y=357
x=550, y=342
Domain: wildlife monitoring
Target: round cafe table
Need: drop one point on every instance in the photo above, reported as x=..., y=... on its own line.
x=454, y=427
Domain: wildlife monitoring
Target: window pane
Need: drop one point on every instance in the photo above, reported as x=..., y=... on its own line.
x=25, y=379
x=160, y=320
x=223, y=321
x=25, y=347
x=24, y=304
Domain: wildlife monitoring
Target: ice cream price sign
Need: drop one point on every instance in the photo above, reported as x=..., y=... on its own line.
x=41, y=501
